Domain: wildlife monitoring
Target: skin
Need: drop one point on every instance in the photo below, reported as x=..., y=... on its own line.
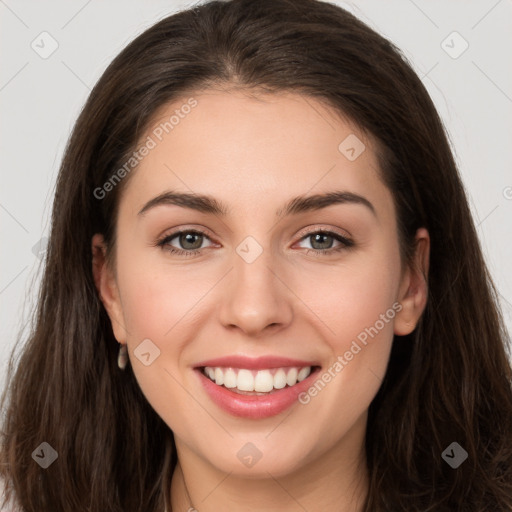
x=255, y=154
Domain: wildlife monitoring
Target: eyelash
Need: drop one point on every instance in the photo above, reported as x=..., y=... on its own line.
x=346, y=243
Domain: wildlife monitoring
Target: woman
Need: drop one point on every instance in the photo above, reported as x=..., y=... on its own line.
x=332, y=342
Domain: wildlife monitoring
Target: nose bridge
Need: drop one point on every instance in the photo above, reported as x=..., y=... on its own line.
x=252, y=264
x=256, y=298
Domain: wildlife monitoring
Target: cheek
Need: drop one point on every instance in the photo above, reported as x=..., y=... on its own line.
x=359, y=309
x=352, y=296
x=356, y=304
x=155, y=297
x=159, y=305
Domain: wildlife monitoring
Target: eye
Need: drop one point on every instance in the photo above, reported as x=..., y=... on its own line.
x=190, y=241
x=322, y=242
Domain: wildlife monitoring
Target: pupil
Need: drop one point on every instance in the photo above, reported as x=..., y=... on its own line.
x=319, y=237
x=188, y=238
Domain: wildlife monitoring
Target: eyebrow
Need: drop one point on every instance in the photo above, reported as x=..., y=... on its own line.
x=209, y=205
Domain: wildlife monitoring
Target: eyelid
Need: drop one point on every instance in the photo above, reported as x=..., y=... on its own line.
x=315, y=228
x=344, y=240
x=163, y=239
x=172, y=232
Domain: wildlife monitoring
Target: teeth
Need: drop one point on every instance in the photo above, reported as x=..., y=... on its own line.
x=303, y=373
x=280, y=379
x=264, y=381
x=291, y=377
x=230, y=378
x=219, y=376
x=261, y=381
x=245, y=380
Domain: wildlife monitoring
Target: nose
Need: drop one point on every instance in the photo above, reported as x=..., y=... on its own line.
x=256, y=298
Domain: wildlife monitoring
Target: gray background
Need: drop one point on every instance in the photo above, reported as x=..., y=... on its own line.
x=40, y=99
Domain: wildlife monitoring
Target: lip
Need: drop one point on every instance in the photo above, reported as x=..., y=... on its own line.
x=254, y=406
x=256, y=363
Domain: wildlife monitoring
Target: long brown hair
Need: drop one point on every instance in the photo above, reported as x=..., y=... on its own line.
x=448, y=381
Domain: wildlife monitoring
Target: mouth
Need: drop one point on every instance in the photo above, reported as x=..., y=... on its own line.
x=244, y=381
x=253, y=390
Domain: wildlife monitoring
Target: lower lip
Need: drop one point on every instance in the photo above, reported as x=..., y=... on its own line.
x=255, y=406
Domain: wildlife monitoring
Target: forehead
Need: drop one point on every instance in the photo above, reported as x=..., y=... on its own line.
x=251, y=151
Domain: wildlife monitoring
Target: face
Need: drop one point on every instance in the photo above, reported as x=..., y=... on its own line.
x=301, y=298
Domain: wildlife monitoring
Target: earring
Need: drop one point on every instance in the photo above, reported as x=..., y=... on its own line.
x=122, y=357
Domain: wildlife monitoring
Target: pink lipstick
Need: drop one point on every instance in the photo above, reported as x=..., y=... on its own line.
x=255, y=388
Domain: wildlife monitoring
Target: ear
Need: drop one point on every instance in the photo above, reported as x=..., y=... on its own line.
x=106, y=286
x=413, y=292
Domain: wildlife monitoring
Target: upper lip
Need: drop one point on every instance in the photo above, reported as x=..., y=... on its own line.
x=255, y=363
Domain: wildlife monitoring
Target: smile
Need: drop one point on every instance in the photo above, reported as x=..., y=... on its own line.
x=255, y=388
x=241, y=380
